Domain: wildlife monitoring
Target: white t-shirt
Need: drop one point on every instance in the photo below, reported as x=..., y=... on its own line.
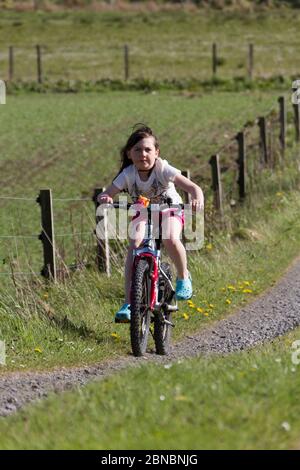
x=158, y=186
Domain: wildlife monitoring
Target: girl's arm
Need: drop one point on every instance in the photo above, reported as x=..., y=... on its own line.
x=197, y=198
x=107, y=196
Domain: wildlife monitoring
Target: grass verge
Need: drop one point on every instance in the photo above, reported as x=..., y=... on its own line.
x=246, y=400
x=236, y=84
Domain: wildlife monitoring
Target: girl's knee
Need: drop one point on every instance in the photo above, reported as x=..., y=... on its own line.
x=172, y=236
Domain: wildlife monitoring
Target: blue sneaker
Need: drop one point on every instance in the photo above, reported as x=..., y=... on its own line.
x=123, y=315
x=184, y=289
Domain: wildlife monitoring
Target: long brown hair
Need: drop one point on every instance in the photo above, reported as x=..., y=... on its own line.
x=138, y=134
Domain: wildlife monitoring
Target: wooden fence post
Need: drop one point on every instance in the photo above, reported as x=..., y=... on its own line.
x=214, y=59
x=103, y=255
x=242, y=165
x=271, y=153
x=297, y=121
x=47, y=234
x=126, y=61
x=250, y=61
x=39, y=63
x=262, y=123
x=217, y=184
x=282, y=123
x=10, y=63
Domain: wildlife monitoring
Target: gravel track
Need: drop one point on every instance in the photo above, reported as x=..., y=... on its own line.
x=272, y=314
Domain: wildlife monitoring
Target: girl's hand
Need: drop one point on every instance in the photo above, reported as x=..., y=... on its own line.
x=104, y=198
x=197, y=205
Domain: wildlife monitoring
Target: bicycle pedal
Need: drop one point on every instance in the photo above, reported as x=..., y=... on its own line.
x=172, y=308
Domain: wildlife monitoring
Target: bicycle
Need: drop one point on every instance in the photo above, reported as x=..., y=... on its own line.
x=153, y=297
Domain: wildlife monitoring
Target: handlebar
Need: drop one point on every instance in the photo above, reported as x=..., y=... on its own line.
x=127, y=206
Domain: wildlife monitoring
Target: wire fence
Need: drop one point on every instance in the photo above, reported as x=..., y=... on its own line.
x=17, y=246
x=114, y=61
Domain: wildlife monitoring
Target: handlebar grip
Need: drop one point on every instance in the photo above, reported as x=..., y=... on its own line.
x=117, y=205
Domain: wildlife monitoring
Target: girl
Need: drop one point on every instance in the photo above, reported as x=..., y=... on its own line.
x=144, y=173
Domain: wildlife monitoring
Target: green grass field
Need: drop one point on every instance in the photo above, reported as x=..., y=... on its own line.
x=176, y=44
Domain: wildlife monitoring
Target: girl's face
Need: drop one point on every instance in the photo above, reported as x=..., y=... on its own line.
x=143, y=154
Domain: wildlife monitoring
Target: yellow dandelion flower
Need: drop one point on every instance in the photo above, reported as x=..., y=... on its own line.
x=247, y=291
x=192, y=305
x=200, y=310
x=211, y=306
x=246, y=283
x=185, y=316
x=38, y=350
x=115, y=336
x=231, y=288
x=223, y=289
x=228, y=301
x=45, y=296
x=206, y=314
x=209, y=247
x=180, y=398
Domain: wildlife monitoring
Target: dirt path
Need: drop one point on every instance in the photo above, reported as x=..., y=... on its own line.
x=272, y=314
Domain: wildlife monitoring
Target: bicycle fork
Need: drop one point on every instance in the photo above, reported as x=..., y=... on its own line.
x=155, y=306
x=151, y=259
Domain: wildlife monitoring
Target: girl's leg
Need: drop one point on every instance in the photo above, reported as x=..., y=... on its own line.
x=134, y=243
x=172, y=228
x=128, y=271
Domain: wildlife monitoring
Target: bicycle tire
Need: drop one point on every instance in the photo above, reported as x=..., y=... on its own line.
x=162, y=331
x=140, y=308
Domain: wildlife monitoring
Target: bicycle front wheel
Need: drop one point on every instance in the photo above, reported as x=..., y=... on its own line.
x=140, y=307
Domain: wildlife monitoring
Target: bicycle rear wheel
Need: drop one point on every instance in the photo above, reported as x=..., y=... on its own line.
x=140, y=308
x=162, y=330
